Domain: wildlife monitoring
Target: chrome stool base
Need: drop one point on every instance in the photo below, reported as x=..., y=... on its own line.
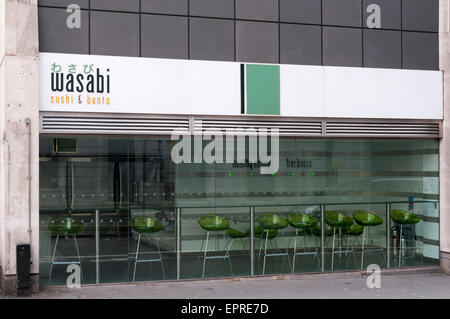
x=363, y=250
x=314, y=253
x=137, y=260
x=224, y=257
x=286, y=254
x=340, y=251
x=53, y=262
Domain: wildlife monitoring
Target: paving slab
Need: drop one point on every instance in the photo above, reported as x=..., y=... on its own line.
x=408, y=284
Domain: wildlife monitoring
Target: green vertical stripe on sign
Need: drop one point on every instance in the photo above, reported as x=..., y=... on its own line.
x=263, y=89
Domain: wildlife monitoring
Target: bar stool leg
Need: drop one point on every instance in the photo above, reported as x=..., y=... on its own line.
x=332, y=250
x=199, y=259
x=348, y=243
x=217, y=243
x=228, y=247
x=261, y=240
x=422, y=252
x=317, y=248
x=160, y=258
x=288, y=259
x=304, y=240
x=227, y=253
x=362, y=250
x=295, y=250
x=353, y=247
x=53, y=259
x=401, y=247
x=204, y=256
x=287, y=250
x=286, y=256
x=79, y=257
x=136, y=259
x=265, y=252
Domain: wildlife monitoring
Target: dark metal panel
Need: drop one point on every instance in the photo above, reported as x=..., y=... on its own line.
x=164, y=37
x=300, y=44
x=212, y=8
x=301, y=11
x=54, y=36
x=342, y=47
x=256, y=42
x=211, y=39
x=114, y=33
x=382, y=49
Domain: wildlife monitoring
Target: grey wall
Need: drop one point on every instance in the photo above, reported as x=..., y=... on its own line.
x=312, y=32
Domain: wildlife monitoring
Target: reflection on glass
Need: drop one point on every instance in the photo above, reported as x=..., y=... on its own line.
x=125, y=194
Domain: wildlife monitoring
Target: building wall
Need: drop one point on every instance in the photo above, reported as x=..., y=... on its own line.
x=444, y=62
x=19, y=68
x=205, y=30
x=307, y=32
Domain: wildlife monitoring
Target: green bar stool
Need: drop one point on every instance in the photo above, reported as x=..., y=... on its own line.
x=235, y=235
x=65, y=226
x=367, y=219
x=317, y=231
x=338, y=221
x=260, y=233
x=213, y=223
x=303, y=223
x=271, y=221
x=146, y=226
x=402, y=218
x=353, y=231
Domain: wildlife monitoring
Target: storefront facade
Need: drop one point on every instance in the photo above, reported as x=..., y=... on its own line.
x=207, y=139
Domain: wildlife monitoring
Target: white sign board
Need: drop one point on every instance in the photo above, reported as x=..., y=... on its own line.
x=88, y=83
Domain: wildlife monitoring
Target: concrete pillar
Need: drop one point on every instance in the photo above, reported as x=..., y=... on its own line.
x=19, y=100
x=444, y=62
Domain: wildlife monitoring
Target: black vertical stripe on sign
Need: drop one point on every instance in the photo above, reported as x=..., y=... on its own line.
x=242, y=88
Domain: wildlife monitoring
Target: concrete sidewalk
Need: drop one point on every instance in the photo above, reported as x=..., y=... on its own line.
x=396, y=284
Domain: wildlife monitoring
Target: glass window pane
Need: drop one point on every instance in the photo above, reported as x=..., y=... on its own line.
x=112, y=201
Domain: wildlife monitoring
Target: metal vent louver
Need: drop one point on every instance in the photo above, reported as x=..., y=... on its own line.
x=285, y=127
x=119, y=124
x=384, y=129
x=142, y=124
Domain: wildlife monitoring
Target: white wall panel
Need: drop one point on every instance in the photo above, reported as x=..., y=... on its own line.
x=360, y=92
x=215, y=88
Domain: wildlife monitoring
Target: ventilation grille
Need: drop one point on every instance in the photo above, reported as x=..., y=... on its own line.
x=61, y=123
x=389, y=129
x=285, y=128
x=112, y=125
